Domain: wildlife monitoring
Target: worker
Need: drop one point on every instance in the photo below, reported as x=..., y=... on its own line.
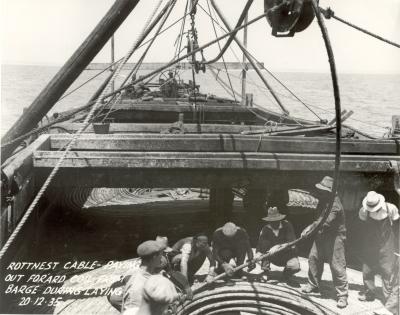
x=328, y=245
x=278, y=231
x=150, y=253
x=379, y=220
x=158, y=293
x=190, y=254
x=232, y=242
x=165, y=261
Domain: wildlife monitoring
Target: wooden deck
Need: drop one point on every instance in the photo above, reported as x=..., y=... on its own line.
x=100, y=305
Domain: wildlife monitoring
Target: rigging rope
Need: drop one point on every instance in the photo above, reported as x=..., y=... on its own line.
x=226, y=88
x=86, y=123
x=164, y=16
x=220, y=50
x=40, y=129
x=328, y=13
x=269, y=72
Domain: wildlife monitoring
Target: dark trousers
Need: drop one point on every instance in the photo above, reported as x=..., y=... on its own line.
x=194, y=265
x=331, y=249
x=291, y=264
x=238, y=254
x=384, y=267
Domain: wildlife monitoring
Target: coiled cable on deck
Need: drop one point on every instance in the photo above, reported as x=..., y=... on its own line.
x=254, y=298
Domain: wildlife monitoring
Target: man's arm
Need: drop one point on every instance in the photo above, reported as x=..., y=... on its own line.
x=210, y=257
x=215, y=249
x=263, y=242
x=186, y=249
x=249, y=250
x=290, y=235
x=336, y=208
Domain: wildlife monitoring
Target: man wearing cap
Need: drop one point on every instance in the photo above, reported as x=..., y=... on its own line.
x=328, y=245
x=189, y=255
x=378, y=253
x=231, y=242
x=278, y=231
x=150, y=253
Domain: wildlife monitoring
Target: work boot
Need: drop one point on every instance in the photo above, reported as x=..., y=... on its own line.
x=310, y=289
x=342, y=302
x=366, y=297
x=240, y=275
x=265, y=276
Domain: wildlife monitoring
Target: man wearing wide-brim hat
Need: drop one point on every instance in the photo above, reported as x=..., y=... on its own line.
x=328, y=245
x=278, y=231
x=379, y=221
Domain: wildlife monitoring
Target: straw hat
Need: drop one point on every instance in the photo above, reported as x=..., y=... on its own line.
x=373, y=201
x=274, y=215
x=325, y=184
x=229, y=229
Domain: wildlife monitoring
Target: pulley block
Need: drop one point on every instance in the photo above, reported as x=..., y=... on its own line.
x=286, y=17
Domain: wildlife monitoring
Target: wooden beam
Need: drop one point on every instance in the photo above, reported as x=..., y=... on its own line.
x=21, y=164
x=157, y=128
x=148, y=178
x=169, y=113
x=215, y=160
x=223, y=143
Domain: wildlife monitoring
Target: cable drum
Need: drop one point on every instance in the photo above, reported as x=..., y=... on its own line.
x=253, y=298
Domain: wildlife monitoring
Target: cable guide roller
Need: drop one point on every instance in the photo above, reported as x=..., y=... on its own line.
x=286, y=17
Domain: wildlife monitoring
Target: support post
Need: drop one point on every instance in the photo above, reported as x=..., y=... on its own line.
x=254, y=205
x=221, y=205
x=69, y=72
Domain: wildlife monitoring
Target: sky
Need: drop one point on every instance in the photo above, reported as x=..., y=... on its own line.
x=47, y=32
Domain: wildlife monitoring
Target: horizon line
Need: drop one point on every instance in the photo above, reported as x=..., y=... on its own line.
x=59, y=65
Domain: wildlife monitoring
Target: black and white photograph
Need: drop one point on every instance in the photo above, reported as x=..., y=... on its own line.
x=200, y=157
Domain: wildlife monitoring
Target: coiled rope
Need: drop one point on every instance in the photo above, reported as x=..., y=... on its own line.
x=74, y=138
x=325, y=213
x=328, y=13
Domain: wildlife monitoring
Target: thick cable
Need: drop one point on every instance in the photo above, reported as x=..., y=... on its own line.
x=281, y=299
x=233, y=34
x=325, y=213
x=86, y=123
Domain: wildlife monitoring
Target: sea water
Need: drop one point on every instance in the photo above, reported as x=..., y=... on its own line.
x=374, y=98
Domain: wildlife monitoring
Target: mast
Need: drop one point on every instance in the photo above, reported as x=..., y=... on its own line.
x=244, y=69
x=112, y=59
x=68, y=73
